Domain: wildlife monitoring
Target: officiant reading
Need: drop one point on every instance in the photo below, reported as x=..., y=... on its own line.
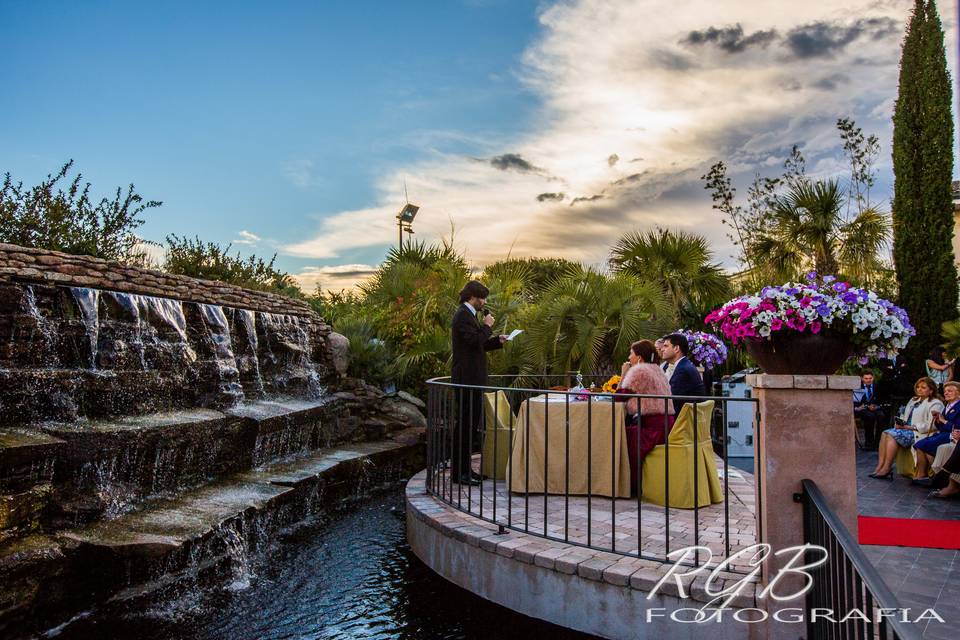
x=471, y=336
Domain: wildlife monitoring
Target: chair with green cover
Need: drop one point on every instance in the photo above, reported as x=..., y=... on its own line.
x=686, y=454
x=906, y=465
x=496, y=438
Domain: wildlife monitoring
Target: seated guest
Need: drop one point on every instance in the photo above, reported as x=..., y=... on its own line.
x=943, y=424
x=917, y=418
x=648, y=419
x=944, y=451
x=683, y=375
x=950, y=473
x=869, y=408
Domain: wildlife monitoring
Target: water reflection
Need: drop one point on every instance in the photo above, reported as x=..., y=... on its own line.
x=353, y=577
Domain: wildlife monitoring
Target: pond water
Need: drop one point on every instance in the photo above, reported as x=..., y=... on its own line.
x=351, y=577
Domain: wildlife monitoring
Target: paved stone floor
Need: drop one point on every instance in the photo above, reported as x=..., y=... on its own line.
x=626, y=525
x=920, y=578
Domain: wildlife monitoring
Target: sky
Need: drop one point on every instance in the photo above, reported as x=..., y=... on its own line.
x=523, y=128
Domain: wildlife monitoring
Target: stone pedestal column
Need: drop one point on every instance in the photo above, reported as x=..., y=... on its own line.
x=806, y=431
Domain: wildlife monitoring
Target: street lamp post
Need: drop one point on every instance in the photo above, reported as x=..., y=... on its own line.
x=405, y=221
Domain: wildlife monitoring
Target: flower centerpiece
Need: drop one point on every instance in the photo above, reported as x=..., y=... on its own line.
x=814, y=326
x=610, y=386
x=706, y=350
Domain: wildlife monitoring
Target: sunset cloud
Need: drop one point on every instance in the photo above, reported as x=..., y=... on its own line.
x=736, y=81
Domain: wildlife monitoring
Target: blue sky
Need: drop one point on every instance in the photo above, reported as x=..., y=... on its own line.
x=253, y=116
x=532, y=128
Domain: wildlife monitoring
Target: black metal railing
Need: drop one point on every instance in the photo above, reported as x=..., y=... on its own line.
x=847, y=582
x=480, y=429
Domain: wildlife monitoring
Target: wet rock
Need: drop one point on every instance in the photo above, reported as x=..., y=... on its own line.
x=339, y=346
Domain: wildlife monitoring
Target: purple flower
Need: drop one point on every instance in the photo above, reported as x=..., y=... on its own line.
x=829, y=279
x=811, y=276
x=823, y=310
x=840, y=287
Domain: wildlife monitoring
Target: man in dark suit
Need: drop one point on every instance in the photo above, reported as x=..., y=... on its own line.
x=869, y=407
x=683, y=375
x=471, y=336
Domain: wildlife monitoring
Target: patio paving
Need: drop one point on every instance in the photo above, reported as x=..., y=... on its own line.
x=919, y=578
x=624, y=525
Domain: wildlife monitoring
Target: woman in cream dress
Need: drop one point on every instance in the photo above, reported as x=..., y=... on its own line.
x=915, y=422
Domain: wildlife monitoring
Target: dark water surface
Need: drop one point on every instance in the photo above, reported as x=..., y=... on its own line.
x=352, y=577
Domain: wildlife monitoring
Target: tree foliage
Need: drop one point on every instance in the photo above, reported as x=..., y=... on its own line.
x=61, y=215
x=208, y=260
x=808, y=232
x=680, y=263
x=922, y=166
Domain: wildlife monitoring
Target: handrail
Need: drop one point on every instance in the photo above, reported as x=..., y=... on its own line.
x=868, y=573
x=457, y=415
x=441, y=381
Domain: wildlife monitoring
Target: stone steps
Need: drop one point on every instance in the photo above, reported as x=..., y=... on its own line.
x=111, y=465
x=26, y=472
x=205, y=533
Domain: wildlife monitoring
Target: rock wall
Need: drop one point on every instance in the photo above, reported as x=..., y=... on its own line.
x=27, y=265
x=130, y=396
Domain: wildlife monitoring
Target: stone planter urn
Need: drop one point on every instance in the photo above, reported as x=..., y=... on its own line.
x=792, y=353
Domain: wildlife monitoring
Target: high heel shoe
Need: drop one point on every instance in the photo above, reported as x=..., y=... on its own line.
x=886, y=476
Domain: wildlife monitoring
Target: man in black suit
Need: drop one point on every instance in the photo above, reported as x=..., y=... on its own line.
x=472, y=337
x=683, y=375
x=869, y=407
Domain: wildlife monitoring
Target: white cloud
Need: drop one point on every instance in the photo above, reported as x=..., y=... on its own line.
x=247, y=238
x=335, y=278
x=627, y=78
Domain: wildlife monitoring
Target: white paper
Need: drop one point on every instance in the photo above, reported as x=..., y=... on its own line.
x=514, y=334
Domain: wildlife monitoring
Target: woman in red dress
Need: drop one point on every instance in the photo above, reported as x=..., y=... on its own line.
x=648, y=419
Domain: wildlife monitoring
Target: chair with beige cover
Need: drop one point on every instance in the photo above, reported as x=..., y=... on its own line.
x=496, y=438
x=686, y=454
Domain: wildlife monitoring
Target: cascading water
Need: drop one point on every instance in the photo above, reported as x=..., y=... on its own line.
x=88, y=300
x=226, y=362
x=287, y=330
x=171, y=313
x=248, y=319
x=138, y=308
x=42, y=338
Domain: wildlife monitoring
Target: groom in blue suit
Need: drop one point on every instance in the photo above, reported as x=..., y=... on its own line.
x=684, y=378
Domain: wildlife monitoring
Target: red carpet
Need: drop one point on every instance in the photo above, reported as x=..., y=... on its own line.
x=901, y=532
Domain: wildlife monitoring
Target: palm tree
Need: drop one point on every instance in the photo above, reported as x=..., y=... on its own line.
x=411, y=299
x=809, y=232
x=586, y=321
x=679, y=263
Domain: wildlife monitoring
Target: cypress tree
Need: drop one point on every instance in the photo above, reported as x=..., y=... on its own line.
x=922, y=167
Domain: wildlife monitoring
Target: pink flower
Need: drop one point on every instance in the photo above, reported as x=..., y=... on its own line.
x=815, y=327
x=776, y=324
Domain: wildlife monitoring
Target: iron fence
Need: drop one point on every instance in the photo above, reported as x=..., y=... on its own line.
x=847, y=582
x=471, y=468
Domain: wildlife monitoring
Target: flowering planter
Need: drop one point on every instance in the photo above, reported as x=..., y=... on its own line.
x=811, y=328
x=801, y=353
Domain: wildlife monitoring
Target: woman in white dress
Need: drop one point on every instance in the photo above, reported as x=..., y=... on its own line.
x=915, y=421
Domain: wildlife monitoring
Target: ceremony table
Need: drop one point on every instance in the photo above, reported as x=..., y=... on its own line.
x=540, y=455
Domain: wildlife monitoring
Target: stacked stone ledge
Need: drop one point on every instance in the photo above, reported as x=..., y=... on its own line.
x=26, y=265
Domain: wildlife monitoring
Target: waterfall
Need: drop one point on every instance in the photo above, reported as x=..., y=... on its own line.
x=250, y=328
x=219, y=330
x=297, y=341
x=89, y=301
x=171, y=313
x=45, y=346
x=138, y=308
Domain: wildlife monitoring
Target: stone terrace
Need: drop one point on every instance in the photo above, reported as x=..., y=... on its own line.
x=626, y=527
